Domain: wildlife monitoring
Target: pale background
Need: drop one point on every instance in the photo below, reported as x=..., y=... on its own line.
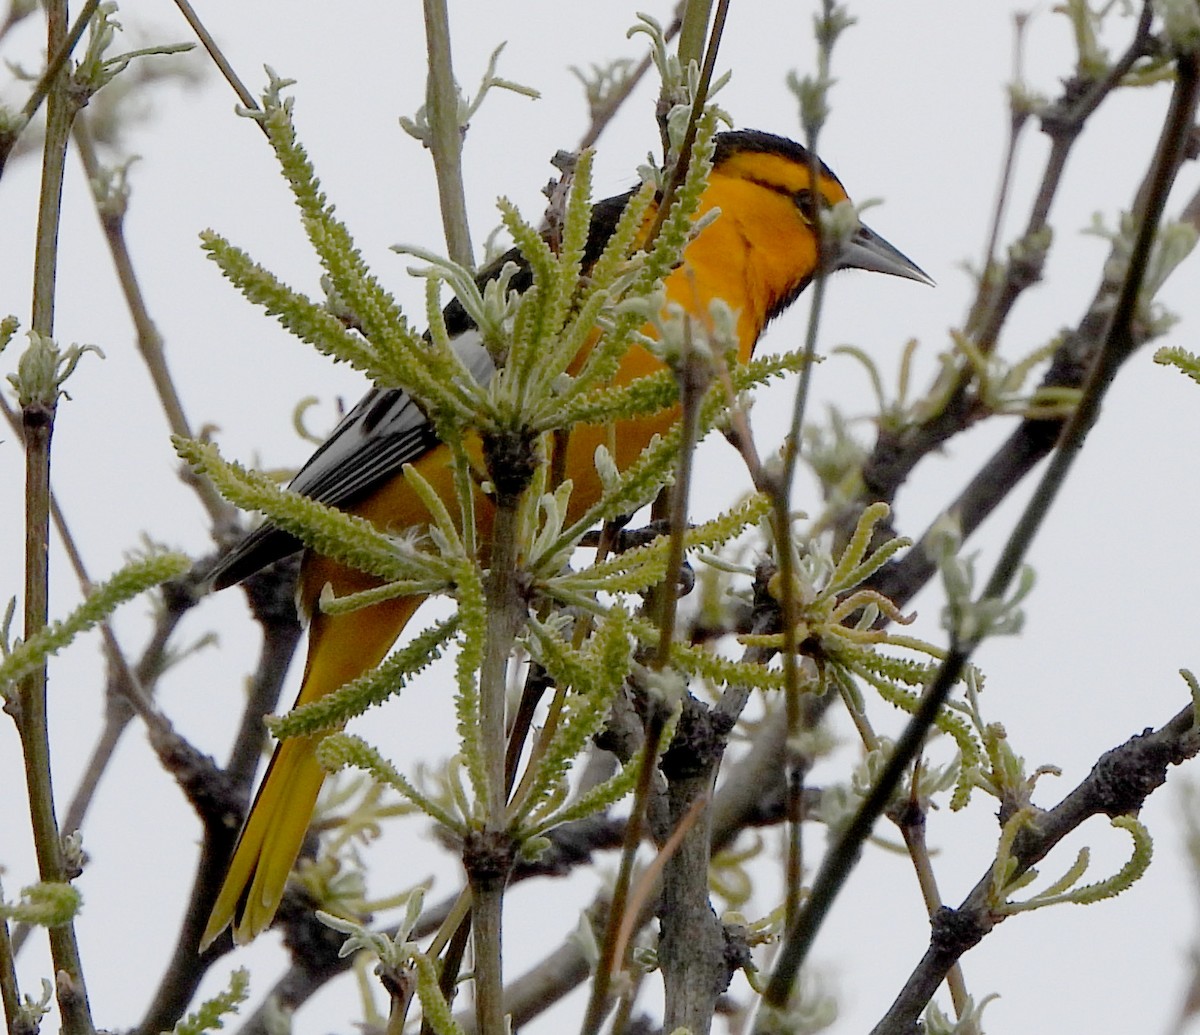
x=919, y=119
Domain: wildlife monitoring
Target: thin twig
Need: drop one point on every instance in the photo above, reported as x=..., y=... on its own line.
x=609, y=964
x=678, y=171
x=48, y=77
x=780, y=493
x=10, y=988
x=445, y=133
x=1120, y=339
x=214, y=51
x=897, y=453
x=1118, y=784
x=641, y=892
x=1118, y=342
x=125, y=692
x=911, y=823
x=1018, y=117
x=603, y=114
x=37, y=421
x=693, y=376
x=1063, y=123
x=111, y=213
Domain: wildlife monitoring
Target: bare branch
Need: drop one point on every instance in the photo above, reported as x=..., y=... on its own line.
x=1118, y=784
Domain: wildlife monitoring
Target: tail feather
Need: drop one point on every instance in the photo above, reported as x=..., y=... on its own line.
x=340, y=648
x=269, y=843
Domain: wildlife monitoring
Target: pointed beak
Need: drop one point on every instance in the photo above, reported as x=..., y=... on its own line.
x=868, y=251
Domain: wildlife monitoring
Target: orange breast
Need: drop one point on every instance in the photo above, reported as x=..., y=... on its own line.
x=717, y=265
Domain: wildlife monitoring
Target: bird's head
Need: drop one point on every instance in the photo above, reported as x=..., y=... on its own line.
x=764, y=186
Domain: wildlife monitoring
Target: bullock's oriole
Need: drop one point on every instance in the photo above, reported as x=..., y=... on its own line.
x=757, y=256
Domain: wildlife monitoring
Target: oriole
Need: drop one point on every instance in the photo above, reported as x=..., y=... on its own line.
x=757, y=256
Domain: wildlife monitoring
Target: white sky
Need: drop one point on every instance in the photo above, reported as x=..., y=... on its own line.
x=919, y=119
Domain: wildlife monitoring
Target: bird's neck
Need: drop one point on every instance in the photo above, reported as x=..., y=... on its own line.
x=756, y=257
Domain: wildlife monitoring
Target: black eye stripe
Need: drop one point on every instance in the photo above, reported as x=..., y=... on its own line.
x=806, y=202
x=803, y=199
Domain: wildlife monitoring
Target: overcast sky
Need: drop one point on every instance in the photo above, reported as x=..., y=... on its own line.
x=919, y=120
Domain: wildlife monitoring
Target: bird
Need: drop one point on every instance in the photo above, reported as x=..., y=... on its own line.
x=757, y=255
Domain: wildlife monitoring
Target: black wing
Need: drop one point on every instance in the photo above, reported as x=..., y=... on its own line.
x=387, y=430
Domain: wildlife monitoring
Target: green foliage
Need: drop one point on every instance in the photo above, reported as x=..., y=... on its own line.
x=812, y=1008
x=97, y=68
x=307, y=320
x=824, y=597
x=1184, y=361
x=681, y=224
x=639, y=569
x=391, y=951
x=368, y=690
x=968, y=1020
x=31, y=1011
x=388, y=349
x=43, y=367
x=1194, y=686
x=646, y=395
x=418, y=127
x=45, y=904
x=434, y=1008
x=719, y=671
x=617, y=263
x=8, y=327
x=680, y=78
x=398, y=956
x=1173, y=242
x=588, y=679
x=331, y=532
x=472, y=613
x=340, y=750
x=24, y=657
x=593, y=801
x=1000, y=385
x=604, y=83
x=966, y=619
x=1008, y=877
x=210, y=1016
x=999, y=770
x=1087, y=25
x=351, y=812
x=894, y=413
x=897, y=681
x=641, y=481
x=812, y=92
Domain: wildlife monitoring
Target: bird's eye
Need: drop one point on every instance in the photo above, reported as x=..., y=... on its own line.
x=806, y=202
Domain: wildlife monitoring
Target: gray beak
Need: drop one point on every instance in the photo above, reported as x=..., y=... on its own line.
x=868, y=251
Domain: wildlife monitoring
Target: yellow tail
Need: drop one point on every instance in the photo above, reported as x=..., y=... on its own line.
x=340, y=648
x=269, y=844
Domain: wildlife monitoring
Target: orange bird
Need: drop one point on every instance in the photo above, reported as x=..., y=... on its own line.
x=757, y=256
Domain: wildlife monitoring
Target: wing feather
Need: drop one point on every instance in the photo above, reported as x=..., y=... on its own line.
x=385, y=431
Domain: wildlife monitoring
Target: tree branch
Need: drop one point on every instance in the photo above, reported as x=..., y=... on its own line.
x=1119, y=341
x=1118, y=785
